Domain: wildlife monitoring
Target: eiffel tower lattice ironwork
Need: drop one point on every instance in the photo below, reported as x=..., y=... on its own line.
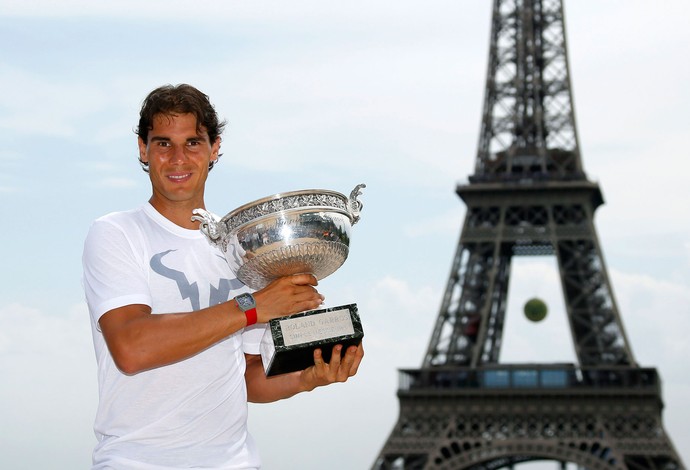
x=529, y=195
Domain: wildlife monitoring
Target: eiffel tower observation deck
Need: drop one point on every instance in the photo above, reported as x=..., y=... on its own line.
x=529, y=196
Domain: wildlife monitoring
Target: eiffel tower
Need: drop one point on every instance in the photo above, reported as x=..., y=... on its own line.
x=529, y=196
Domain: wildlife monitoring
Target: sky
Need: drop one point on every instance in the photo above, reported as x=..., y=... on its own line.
x=327, y=95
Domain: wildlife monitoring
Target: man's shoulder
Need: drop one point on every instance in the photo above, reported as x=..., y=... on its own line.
x=128, y=220
x=117, y=224
x=121, y=216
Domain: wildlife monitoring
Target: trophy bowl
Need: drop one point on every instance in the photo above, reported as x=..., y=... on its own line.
x=305, y=231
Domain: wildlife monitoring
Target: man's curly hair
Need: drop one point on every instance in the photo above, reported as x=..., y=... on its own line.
x=179, y=99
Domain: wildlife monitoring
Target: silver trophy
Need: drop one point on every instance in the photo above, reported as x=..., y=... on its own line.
x=290, y=233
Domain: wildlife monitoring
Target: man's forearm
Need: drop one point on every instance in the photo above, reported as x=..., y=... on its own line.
x=262, y=389
x=139, y=340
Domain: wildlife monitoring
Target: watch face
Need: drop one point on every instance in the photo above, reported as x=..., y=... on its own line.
x=245, y=302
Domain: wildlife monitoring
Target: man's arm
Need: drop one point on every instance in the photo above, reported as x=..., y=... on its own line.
x=139, y=340
x=262, y=389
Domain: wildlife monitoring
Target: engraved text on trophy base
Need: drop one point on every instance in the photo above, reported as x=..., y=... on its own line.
x=316, y=327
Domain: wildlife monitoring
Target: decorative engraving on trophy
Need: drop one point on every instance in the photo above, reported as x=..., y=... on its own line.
x=281, y=203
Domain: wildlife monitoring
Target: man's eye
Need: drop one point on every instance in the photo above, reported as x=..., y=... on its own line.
x=162, y=143
x=194, y=145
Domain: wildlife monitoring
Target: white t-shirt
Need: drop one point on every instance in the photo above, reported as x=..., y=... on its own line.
x=191, y=414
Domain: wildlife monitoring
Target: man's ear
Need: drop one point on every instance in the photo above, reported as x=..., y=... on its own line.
x=142, y=150
x=215, y=149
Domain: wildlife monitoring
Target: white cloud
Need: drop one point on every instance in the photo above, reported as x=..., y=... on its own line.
x=657, y=313
x=48, y=387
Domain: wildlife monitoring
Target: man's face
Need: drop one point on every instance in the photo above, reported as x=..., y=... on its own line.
x=178, y=156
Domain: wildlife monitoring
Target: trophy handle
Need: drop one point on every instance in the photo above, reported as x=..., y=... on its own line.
x=209, y=226
x=354, y=204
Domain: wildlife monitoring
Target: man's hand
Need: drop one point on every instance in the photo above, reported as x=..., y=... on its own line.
x=262, y=389
x=337, y=370
x=287, y=295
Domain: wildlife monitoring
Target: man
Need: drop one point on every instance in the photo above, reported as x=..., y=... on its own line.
x=177, y=356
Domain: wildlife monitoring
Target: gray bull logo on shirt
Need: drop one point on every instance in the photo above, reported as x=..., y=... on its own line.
x=191, y=290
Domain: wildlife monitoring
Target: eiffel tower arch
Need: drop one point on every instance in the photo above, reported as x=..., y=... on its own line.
x=529, y=196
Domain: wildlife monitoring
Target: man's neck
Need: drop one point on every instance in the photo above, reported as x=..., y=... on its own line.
x=178, y=213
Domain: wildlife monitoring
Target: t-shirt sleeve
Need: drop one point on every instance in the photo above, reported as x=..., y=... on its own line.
x=251, y=338
x=115, y=275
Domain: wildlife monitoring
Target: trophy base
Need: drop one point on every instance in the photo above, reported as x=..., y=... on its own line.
x=288, y=344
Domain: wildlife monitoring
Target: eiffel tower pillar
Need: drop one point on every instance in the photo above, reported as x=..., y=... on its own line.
x=529, y=196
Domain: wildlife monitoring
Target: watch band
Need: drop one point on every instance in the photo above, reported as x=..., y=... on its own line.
x=247, y=304
x=251, y=316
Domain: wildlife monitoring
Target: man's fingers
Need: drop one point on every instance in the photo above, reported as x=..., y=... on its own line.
x=350, y=363
x=318, y=358
x=338, y=368
x=304, y=279
x=335, y=357
x=358, y=355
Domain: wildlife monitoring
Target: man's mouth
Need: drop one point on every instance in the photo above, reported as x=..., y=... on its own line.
x=181, y=177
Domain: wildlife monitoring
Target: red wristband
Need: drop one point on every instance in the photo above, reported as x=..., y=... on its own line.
x=251, y=316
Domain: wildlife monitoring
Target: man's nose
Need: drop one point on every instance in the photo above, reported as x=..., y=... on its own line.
x=179, y=154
